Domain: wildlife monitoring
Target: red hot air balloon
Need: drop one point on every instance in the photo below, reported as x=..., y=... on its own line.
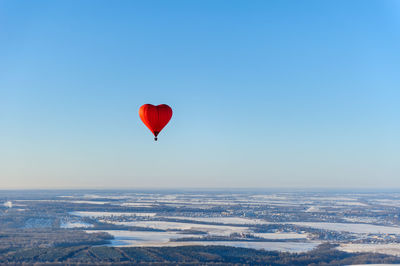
x=155, y=117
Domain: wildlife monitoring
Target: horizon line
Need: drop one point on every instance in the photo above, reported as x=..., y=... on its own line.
x=205, y=188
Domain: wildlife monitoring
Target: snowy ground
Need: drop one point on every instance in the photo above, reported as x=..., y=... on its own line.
x=360, y=212
x=352, y=228
x=89, y=202
x=137, y=204
x=154, y=239
x=220, y=230
x=75, y=225
x=223, y=220
x=389, y=249
x=281, y=235
x=109, y=214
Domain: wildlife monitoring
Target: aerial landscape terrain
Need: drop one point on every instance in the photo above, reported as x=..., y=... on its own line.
x=201, y=132
x=206, y=226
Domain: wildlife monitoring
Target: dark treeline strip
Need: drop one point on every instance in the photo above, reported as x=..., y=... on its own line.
x=325, y=254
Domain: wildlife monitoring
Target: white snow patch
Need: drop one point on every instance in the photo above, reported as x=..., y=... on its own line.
x=220, y=230
x=139, y=238
x=353, y=228
x=349, y=203
x=223, y=220
x=389, y=249
x=161, y=239
x=110, y=214
x=8, y=204
x=137, y=204
x=281, y=235
x=75, y=225
x=313, y=209
x=89, y=202
x=388, y=202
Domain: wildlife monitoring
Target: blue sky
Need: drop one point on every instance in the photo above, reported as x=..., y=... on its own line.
x=267, y=94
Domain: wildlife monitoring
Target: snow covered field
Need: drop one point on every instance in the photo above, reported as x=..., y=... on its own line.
x=389, y=249
x=281, y=235
x=75, y=225
x=138, y=204
x=220, y=230
x=223, y=220
x=352, y=228
x=140, y=238
x=89, y=202
x=154, y=239
x=109, y=214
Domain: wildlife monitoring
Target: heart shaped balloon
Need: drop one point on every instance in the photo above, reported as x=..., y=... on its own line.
x=155, y=117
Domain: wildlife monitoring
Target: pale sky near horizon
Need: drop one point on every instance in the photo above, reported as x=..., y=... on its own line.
x=265, y=94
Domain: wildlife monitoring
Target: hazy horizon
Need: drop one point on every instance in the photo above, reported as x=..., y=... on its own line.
x=265, y=94
x=211, y=189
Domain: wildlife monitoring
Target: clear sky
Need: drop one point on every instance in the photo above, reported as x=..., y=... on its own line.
x=265, y=94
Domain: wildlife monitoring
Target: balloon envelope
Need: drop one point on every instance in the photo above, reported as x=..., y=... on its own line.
x=155, y=117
